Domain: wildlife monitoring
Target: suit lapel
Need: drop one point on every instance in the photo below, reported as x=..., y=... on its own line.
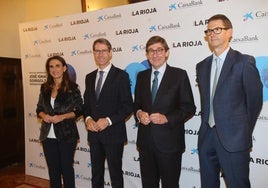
x=92, y=83
x=227, y=65
x=164, y=84
x=108, y=81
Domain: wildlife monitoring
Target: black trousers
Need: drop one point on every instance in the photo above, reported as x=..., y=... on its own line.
x=156, y=165
x=113, y=153
x=59, y=157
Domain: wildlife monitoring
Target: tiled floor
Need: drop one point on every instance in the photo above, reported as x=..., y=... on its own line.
x=13, y=176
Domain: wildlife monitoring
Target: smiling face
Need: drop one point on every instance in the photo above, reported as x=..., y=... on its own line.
x=219, y=42
x=157, y=55
x=56, y=69
x=102, y=55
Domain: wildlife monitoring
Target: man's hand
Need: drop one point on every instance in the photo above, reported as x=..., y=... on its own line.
x=143, y=117
x=158, y=118
x=91, y=125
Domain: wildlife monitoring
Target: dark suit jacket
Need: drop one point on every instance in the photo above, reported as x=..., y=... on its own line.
x=115, y=101
x=237, y=100
x=65, y=102
x=174, y=99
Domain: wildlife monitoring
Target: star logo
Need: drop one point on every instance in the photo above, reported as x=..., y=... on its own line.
x=247, y=16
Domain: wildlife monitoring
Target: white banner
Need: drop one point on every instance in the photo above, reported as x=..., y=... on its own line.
x=128, y=28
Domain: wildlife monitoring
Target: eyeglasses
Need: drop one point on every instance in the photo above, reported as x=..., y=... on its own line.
x=158, y=51
x=101, y=51
x=216, y=30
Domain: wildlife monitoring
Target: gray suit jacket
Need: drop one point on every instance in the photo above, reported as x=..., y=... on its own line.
x=237, y=100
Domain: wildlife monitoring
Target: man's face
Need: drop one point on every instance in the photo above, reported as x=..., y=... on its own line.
x=157, y=55
x=219, y=35
x=102, y=55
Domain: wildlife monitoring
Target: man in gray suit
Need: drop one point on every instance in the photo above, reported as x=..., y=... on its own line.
x=231, y=100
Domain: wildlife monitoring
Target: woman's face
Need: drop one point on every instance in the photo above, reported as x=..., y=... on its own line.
x=56, y=69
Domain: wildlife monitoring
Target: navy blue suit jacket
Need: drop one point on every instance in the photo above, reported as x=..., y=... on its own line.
x=237, y=100
x=115, y=101
x=174, y=99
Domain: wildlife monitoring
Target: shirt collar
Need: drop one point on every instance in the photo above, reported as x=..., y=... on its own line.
x=106, y=69
x=161, y=70
x=223, y=55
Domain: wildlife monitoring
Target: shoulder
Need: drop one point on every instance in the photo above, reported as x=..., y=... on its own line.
x=242, y=59
x=119, y=72
x=73, y=85
x=91, y=74
x=204, y=61
x=175, y=70
x=145, y=73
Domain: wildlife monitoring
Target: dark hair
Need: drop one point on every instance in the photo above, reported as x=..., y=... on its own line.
x=226, y=22
x=102, y=41
x=157, y=39
x=65, y=84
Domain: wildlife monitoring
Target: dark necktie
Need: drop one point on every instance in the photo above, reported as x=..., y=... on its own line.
x=155, y=85
x=98, y=87
x=211, y=119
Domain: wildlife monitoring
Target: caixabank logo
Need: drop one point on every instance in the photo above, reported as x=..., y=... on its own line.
x=31, y=56
x=190, y=169
x=41, y=41
x=36, y=166
x=245, y=38
x=137, y=47
x=82, y=177
x=109, y=17
x=94, y=35
x=80, y=52
x=252, y=15
x=184, y=4
x=164, y=27
x=53, y=26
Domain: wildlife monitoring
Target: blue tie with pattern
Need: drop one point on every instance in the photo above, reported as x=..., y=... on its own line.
x=155, y=85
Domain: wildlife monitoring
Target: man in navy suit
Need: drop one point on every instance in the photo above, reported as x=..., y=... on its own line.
x=229, y=110
x=107, y=104
x=161, y=116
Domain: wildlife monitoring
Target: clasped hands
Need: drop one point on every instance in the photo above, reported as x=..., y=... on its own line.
x=155, y=118
x=96, y=126
x=53, y=119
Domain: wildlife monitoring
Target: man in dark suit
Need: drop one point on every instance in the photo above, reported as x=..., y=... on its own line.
x=107, y=104
x=231, y=99
x=161, y=116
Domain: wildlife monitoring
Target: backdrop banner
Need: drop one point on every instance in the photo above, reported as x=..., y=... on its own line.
x=182, y=24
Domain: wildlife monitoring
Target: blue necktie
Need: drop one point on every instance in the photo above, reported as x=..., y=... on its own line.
x=211, y=119
x=98, y=87
x=155, y=85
